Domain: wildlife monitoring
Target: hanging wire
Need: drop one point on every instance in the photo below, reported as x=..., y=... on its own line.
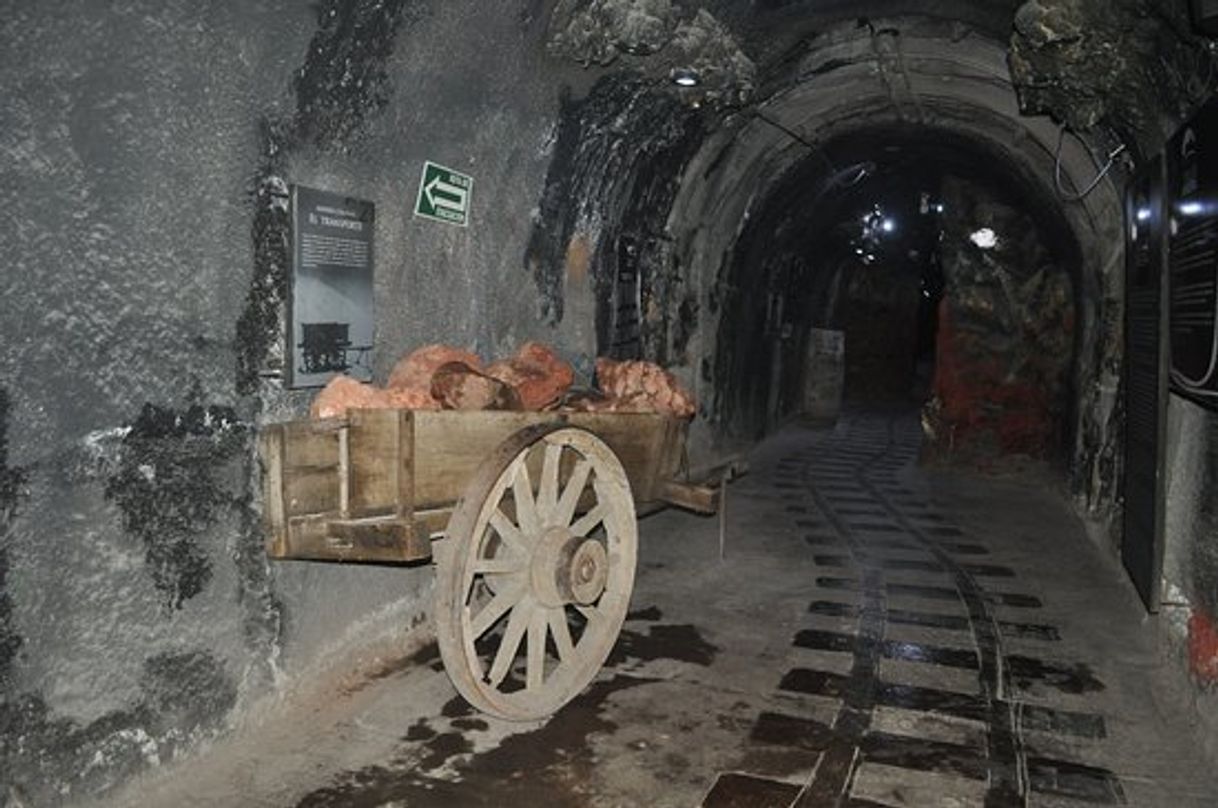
x=1099, y=177
x=847, y=177
x=798, y=138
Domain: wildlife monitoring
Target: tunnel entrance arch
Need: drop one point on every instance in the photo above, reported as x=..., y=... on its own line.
x=917, y=74
x=872, y=235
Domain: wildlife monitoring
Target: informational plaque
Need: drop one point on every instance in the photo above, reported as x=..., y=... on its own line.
x=331, y=318
x=1193, y=195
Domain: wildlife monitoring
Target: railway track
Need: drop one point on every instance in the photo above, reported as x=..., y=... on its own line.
x=924, y=617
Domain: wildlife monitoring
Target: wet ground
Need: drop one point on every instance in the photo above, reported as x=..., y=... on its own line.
x=874, y=634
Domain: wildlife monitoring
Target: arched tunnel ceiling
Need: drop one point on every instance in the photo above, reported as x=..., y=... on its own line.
x=912, y=73
x=780, y=22
x=890, y=79
x=691, y=168
x=866, y=165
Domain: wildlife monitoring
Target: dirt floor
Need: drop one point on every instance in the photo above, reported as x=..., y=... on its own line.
x=874, y=634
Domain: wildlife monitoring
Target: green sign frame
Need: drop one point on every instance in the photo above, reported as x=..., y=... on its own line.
x=444, y=195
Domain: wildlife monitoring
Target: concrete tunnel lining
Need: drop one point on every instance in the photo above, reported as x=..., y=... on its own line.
x=960, y=82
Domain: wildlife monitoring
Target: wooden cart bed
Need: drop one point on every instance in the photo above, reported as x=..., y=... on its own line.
x=378, y=485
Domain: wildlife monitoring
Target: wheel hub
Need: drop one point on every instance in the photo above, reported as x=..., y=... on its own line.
x=568, y=569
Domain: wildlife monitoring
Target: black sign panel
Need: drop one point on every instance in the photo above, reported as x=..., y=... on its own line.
x=1193, y=198
x=1146, y=357
x=331, y=318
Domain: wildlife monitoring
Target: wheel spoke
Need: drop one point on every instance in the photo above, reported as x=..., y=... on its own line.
x=570, y=495
x=547, y=490
x=562, y=633
x=498, y=566
x=526, y=508
x=536, y=658
x=592, y=615
x=517, y=623
x=510, y=534
x=493, y=610
x=589, y=520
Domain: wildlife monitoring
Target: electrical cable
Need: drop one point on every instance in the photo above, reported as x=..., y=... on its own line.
x=847, y=177
x=1099, y=177
x=797, y=138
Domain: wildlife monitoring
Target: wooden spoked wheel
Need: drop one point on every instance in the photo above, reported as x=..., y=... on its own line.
x=535, y=577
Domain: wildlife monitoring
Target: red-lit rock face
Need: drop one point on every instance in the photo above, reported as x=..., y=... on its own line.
x=1005, y=335
x=982, y=407
x=1203, y=646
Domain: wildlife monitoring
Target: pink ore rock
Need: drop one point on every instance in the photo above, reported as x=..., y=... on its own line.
x=414, y=372
x=636, y=386
x=344, y=393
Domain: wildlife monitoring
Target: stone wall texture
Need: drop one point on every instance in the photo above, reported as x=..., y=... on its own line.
x=146, y=154
x=145, y=151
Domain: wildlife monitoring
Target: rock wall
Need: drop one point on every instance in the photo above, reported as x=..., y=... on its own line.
x=1190, y=564
x=1006, y=335
x=145, y=153
x=1132, y=67
x=1135, y=70
x=147, y=149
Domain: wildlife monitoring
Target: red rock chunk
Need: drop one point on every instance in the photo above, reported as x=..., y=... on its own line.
x=457, y=386
x=635, y=386
x=414, y=371
x=536, y=373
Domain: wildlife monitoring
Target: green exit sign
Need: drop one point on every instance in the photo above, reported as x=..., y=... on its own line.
x=444, y=195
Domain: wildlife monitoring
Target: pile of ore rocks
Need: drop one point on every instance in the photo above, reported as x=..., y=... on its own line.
x=534, y=379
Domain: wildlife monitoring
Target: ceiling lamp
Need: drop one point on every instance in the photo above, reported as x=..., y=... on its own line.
x=685, y=77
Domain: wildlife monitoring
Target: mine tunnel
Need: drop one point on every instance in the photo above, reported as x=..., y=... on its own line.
x=609, y=402
x=867, y=250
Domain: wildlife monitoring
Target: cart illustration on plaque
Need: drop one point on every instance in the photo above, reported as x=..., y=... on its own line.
x=327, y=348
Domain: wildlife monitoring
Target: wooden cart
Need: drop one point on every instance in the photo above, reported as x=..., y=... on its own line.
x=531, y=516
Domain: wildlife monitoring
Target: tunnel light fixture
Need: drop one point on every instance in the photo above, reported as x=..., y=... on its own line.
x=889, y=225
x=1194, y=207
x=985, y=238
x=685, y=77
x=1143, y=214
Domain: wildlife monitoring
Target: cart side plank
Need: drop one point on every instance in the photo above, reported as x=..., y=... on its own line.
x=381, y=448
x=451, y=446
x=350, y=488
x=329, y=537
x=310, y=465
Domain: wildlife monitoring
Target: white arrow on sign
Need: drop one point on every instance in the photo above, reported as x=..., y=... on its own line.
x=453, y=197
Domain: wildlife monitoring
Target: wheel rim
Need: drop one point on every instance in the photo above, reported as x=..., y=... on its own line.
x=540, y=574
